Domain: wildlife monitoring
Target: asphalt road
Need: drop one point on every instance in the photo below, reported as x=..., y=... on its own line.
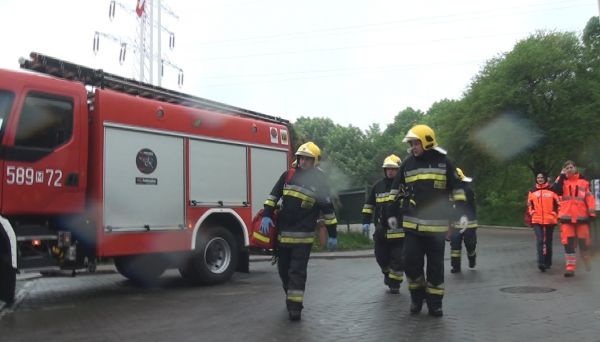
x=505, y=298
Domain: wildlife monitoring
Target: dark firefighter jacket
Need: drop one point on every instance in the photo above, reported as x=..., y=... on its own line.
x=429, y=182
x=378, y=197
x=468, y=208
x=303, y=198
x=373, y=208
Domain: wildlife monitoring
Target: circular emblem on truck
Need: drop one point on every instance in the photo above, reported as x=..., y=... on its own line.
x=146, y=161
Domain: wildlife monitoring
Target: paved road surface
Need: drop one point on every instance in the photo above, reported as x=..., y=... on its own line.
x=345, y=300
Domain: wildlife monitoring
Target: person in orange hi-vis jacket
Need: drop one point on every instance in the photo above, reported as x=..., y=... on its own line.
x=542, y=206
x=576, y=211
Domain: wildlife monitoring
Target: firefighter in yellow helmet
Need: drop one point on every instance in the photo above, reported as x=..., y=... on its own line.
x=426, y=180
x=465, y=230
x=388, y=242
x=304, y=196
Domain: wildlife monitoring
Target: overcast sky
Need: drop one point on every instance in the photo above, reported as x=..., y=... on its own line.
x=357, y=62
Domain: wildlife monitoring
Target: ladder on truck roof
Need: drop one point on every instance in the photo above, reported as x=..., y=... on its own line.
x=101, y=79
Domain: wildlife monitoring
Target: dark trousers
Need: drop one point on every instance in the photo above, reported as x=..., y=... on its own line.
x=543, y=236
x=469, y=237
x=570, y=247
x=388, y=254
x=417, y=246
x=292, y=264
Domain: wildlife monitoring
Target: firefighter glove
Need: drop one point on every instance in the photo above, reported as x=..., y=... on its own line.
x=463, y=223
x=392, y=222
x=332, y=243
x=365, y=229
x=265, y=223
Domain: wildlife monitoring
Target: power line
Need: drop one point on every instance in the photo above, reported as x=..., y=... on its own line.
x=339, y=48
x=407, y=22
x=344, y=72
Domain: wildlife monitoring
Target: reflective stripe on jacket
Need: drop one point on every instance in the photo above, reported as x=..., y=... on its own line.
x=378, y=197
x=303, y=198
x=430, y=180
x=469, y=209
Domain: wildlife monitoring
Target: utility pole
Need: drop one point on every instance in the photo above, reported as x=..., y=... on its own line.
x=149, y=64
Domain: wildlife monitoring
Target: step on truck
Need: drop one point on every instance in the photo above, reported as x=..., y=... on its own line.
x=98, y=166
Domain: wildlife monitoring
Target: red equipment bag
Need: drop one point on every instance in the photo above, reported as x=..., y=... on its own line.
x=258, y=239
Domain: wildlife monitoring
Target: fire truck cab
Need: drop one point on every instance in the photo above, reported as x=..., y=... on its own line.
x=94, y=165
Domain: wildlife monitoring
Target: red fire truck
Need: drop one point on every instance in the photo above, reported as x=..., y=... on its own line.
x=95, y=165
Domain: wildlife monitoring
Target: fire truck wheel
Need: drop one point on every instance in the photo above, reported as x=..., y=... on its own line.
x=8, y=282
x=215, y=258
x=8, y=275
x=143, y=270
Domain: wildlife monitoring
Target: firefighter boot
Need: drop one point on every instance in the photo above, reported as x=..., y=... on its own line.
x=294, y=309
x=295, y=314
x=472, y=260
x=436, y=311
x=417, y=297
x=455, y=264
x=394, y=286
x=394, y=281
x=434, y=304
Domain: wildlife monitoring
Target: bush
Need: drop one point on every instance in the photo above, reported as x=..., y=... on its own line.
x=347, y=241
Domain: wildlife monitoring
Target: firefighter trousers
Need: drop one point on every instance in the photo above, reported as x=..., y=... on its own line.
x=543, y=235
x=388, y=254
x=292, y=265
x=469, y=237
x=417, y=246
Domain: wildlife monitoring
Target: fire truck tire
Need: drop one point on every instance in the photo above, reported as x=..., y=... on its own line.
x=8, y=283
x=143, y=270
x=8, y=275
x=215, y=259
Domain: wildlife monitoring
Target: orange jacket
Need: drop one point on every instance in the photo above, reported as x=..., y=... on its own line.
x=542, y=204
x=576, y=200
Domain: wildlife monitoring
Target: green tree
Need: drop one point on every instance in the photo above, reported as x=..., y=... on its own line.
x=527, y=110
x=540, y=97
x=591, y=34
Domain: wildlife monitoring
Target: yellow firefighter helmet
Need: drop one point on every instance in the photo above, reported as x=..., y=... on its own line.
x=309, y=149
x=461, y=175
x=391, y=162
x=423, y=133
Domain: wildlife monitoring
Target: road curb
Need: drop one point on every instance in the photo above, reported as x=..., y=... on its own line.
x=503, y=227
x=365, y=253
x=368, y=253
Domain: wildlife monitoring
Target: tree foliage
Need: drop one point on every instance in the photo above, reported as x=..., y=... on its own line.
x=526, y=111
